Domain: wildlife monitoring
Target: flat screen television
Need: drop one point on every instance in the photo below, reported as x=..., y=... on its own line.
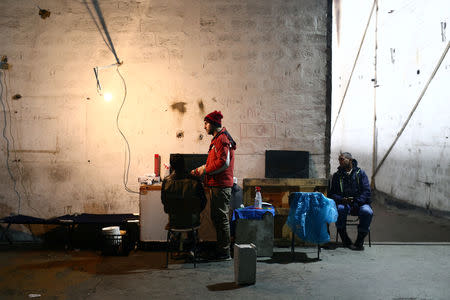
x=192, y=161
x=287, y=164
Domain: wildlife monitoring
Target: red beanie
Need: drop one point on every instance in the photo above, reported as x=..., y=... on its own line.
x=215, y=118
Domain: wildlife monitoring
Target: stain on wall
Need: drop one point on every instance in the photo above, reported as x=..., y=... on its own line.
x=5, y=209
x=179, y=106
x=59, y=174
x=201, y=107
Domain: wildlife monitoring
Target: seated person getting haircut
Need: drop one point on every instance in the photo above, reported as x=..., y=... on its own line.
x=182, y=195
x=351, y=191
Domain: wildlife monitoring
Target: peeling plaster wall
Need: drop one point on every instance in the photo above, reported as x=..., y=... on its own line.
x=412, y=36
x=262, y=63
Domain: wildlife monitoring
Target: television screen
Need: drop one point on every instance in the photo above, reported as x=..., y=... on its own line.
x=287, y=164
x=192, y=161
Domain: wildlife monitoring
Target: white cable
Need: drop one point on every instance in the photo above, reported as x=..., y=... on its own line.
x=127, y=150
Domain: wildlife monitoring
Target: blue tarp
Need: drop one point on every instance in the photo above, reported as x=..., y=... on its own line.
x=250, y=212
x=309, y=214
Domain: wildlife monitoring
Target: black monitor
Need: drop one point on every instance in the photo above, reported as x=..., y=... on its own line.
x=192, y=161
x=287, y=164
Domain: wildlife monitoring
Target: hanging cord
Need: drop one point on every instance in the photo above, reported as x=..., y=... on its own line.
x=7, y=146
x=96, y=24
x=16, y=160
x=127, y=150
x=413, y=110
x=105, y=33
x=354, y=65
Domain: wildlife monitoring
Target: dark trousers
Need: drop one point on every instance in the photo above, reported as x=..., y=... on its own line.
x=220, y=205
x=365, y=214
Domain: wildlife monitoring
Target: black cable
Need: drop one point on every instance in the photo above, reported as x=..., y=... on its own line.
x=127, y=152
x=19, y=170
x=7, y=146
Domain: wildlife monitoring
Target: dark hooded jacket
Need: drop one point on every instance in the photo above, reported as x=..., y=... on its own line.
x=183, y=198
x=355, y=184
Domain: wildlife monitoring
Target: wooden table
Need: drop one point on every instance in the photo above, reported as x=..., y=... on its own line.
x=276, y=192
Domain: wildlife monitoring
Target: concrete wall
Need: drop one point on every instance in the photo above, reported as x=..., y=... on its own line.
x=411, y=37
x=262, y=63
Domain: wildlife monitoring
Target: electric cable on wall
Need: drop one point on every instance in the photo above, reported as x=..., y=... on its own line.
x=127, y=150
x=5, y=123
x=108, y=42
x=16, y=160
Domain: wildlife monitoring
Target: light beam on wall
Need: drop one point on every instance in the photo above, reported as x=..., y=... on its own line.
x=107, y=97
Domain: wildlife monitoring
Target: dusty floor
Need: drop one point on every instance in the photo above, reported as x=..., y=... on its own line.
x=410, y=259
x=380, y=272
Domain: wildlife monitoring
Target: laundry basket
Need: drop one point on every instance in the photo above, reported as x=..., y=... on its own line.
x=114, y=241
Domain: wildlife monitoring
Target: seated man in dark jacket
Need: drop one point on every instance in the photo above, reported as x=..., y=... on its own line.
x=182, y=195
x=350, y=190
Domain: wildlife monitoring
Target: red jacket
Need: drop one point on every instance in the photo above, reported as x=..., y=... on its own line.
x=220, y=163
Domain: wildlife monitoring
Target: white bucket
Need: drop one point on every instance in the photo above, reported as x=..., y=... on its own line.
x=112, y=230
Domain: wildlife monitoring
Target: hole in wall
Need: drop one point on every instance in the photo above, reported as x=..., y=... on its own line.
x=180, y=134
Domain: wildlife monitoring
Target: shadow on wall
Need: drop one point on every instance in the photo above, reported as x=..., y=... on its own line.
x=386, y=199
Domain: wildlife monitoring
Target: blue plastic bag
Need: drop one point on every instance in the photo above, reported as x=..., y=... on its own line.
x=309, y=214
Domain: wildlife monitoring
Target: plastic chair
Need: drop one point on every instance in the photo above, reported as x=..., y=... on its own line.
x=353, y=222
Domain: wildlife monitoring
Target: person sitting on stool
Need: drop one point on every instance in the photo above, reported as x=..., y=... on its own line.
x=180, y=184
x=350, y=190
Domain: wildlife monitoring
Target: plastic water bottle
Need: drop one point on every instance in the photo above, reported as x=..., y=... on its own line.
x=258, y=198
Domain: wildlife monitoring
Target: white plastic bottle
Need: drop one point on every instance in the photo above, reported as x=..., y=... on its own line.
x=166, y=170
x=258, y=198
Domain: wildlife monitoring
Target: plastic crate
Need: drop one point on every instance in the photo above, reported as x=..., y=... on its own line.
x=115, y=244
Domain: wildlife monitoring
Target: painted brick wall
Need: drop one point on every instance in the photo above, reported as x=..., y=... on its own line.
x=262, y=63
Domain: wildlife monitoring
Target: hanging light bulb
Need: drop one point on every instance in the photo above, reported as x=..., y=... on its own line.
x=107, y=97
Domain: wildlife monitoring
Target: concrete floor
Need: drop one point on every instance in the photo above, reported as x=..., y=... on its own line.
x=410, y=259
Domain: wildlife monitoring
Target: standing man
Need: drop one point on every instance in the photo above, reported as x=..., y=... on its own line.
x=218, y=172
x=350, y=190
